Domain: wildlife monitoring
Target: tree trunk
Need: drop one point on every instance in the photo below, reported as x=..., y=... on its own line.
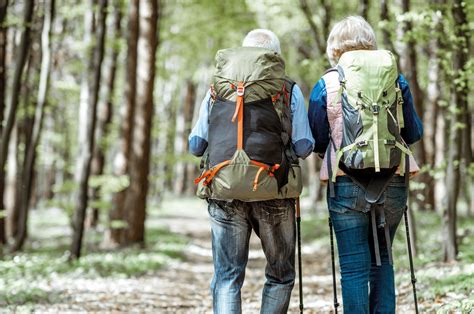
x=135, y=200
x=364, y=9
x=28, y=170
x=468, y=159
x=171, y=113
x=182, y=179
x=190, y=171
x=87, y=147
x=22, y=55
x=3, y=85
x=15, y=179
x=320, y=43
x=433, y=97
x=23, y=124
x=116, y=234
x=385, y=18
x=408, y=64
x=105, y=112
x=11, y=186
x=460, y=100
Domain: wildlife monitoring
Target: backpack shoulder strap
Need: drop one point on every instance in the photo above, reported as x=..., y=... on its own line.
x=333, y=69
x=290, y=84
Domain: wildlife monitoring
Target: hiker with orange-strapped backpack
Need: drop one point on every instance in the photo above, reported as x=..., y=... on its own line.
x=252, y=129
x=363, y=120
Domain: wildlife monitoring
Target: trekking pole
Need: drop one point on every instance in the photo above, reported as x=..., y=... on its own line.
x=410, y=256
x=300, y=275
x=336, y=304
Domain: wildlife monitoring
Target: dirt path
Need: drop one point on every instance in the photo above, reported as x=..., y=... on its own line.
x=183, y=286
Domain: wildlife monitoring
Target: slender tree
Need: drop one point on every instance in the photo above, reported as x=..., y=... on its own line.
x=460, y=103
x=135, y=201
x=364, y=9
x=308, y=14
x=120, y=165
x=21, y=59
x=106, y=107
x=181, y=179
x=385, y=17
x=408, y=65
x=28, y=171
x=22, y=141
x=434, y=95
x=3, y=84
x=87, y=147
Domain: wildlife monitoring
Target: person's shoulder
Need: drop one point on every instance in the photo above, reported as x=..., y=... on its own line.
x=297, y=90
x=319, y=88
x=402, y=80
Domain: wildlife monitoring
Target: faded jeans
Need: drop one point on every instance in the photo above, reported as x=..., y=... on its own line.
x=366, y=288
x=231, y=225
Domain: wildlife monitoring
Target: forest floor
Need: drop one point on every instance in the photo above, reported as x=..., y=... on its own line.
x=177, y=279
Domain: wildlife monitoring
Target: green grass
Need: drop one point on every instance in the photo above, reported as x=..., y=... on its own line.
x=24, y=276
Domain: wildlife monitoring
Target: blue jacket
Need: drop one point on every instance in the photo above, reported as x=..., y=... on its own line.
x=302, y=140
x=318, y=118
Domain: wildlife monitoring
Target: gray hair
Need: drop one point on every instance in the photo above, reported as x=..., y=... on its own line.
x=352, y=33
x=262, y=38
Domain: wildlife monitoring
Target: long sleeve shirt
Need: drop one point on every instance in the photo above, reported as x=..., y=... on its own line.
x=302, y=140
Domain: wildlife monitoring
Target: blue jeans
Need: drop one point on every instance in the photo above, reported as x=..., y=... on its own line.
x=366, y=288
x=231, y=225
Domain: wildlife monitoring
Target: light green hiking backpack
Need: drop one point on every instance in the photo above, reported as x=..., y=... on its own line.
x=372, y=115
x=372, y=148
x=249, y=155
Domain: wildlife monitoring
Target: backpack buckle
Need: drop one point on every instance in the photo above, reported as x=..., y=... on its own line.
x=240, y=89
x=362, y=143
x=375, y=109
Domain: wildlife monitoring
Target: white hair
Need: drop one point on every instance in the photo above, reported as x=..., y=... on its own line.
x=352, y=33
x=262, y=38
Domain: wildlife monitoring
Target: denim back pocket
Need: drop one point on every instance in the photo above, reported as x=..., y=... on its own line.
x=396, y=196
x=273, y=212
x=346, y=196
x=221, y=210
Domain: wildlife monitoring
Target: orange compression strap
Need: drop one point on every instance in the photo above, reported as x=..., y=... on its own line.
x=211, y=173
x=203, y=176
x=215, y=170
x=262, y=168
x=255, y=181
x=239, y=114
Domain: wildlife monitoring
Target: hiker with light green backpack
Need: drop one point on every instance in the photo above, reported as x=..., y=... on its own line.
x=363, y=120
x=252, y=129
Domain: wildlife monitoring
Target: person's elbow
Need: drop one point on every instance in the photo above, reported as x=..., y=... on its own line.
x=419, y=133
x=320, y=148
x=303, y=148
x=413, y=134
x=197, y=146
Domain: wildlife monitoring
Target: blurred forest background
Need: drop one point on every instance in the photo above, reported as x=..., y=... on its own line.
x=98, y=97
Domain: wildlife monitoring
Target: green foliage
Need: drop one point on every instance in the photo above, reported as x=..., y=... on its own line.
x=109, y=184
